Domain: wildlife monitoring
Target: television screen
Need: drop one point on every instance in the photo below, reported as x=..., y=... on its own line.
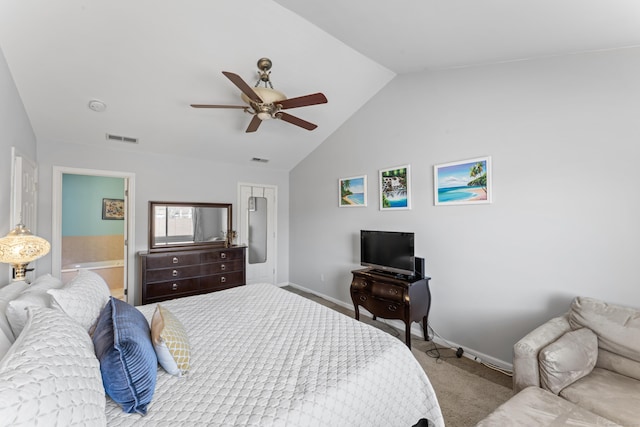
x=390, y=251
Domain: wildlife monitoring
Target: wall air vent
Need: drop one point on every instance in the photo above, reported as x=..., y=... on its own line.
x=127, y=139
x=259, y=160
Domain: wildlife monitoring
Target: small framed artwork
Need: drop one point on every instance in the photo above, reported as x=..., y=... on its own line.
x=352, y=191
x=467, y=182
x=395, y=188
x=112, y=209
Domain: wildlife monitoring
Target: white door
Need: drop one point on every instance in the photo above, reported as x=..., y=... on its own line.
x=24, y=196
x=257, y=215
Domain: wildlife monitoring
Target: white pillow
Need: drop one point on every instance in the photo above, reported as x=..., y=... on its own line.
x=35, y=295
x=51, y=376
x=7, y=293
x=83, y=298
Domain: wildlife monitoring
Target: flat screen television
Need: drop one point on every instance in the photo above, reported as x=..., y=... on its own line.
x=388, y=251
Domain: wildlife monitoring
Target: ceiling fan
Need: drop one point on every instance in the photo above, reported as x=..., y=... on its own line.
x=267, y=103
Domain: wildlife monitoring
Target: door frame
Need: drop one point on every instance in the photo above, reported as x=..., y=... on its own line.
x=129, y=206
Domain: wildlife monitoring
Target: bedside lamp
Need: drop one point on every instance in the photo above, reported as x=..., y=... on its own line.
x=20, y=247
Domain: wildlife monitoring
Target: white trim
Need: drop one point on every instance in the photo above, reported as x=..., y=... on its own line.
x=56, y=220
x=416, y=329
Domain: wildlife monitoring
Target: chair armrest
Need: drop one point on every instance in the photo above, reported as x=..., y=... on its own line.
x=526, y=371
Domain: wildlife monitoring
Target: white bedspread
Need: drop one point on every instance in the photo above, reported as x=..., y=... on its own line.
x=262, y=356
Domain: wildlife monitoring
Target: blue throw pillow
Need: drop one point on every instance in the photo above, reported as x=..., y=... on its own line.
x=128, y=362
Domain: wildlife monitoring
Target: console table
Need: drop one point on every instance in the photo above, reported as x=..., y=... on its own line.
x=392, y=297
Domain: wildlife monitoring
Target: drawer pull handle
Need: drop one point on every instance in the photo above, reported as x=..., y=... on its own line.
x=223, y=255
x=175, y=260
x=222, y=267
x=174, y=287
x=392, y=307
x=223, y=279
x=174, y=273
x=363, y=298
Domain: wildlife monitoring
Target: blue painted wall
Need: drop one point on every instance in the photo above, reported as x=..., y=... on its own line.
x=82, y=205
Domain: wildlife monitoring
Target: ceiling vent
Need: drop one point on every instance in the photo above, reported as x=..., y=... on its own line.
x=119, y=138
x=259, y=160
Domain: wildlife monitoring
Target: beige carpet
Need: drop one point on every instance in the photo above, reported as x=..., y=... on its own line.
x=465, y=398
x=466, y=390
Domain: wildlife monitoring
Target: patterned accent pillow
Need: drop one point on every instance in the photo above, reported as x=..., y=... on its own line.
x=51, y=376
x=128, y=363
x=170, y=341
x=82, y=298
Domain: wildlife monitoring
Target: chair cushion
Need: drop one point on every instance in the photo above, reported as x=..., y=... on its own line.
x=534, y=406
x=617, y=327
x=128, y=363
x=569, y=358
x=608, y=394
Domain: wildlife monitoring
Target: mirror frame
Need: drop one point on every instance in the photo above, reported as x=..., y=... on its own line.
x=186, y=246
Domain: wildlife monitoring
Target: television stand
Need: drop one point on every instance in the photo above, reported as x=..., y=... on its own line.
x=390, y=297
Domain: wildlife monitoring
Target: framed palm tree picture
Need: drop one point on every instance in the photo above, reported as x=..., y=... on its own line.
x=395, y=186
x=466, y=182
x=352, y=191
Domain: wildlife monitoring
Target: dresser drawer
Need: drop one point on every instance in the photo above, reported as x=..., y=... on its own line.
x=386, y=291
x=222, y=267
x=359, y=284
x=222, y=255
x=381, y=308
x=177, y=273
x=172, y=260
x=222, y=280
x=172, y=289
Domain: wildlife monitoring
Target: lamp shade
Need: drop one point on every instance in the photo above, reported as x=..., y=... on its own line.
x=22, y=247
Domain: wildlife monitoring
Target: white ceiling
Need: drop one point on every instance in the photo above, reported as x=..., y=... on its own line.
x=148, y=60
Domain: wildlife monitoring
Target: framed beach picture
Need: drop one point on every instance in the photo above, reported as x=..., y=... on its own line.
x=395, y=188
x=467, y=182
x=112, y=209
x=352, y=191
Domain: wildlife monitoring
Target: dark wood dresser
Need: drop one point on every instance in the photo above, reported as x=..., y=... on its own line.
x=168, y=275
x=389, y=297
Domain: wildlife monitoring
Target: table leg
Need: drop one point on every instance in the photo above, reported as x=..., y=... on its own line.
x=425, y=329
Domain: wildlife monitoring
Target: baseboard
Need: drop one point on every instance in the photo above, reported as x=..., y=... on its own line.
x=416, y=329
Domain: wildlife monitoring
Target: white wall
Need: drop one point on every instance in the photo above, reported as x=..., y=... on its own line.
x=564, y=136
x=163, y=178
x=15, y=130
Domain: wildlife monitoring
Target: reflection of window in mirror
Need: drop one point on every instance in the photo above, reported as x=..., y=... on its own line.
x=174, y=224
x=257, y=230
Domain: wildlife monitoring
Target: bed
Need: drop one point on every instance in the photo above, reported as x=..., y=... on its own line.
x=263, y=356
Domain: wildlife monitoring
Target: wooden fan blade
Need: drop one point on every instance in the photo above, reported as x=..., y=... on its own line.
x=245, y=88
x=303, y=101
x=296, y=121
x=218, y=106
x=254, y=125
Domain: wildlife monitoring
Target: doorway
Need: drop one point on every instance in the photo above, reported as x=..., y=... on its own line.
x=93, y=226
x=257, y=219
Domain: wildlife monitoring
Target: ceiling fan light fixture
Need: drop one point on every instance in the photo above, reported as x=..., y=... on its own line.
x=263, y=115
x=267, y=95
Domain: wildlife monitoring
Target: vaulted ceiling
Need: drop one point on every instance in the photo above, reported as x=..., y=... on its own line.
x=148, y=60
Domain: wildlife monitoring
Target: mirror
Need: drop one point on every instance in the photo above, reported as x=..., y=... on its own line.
x=257, y=230
x=182, y=225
